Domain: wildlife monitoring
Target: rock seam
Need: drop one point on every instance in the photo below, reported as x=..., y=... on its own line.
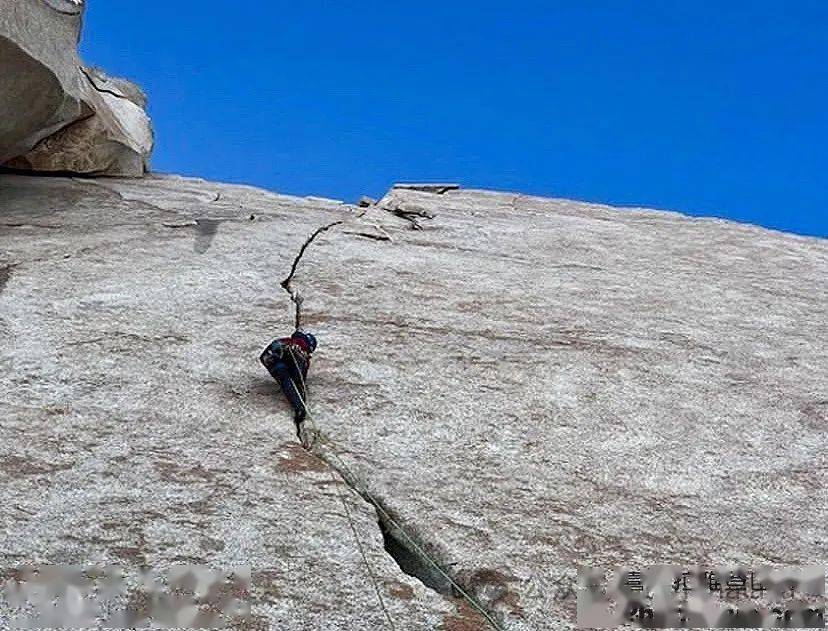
x=415, y=548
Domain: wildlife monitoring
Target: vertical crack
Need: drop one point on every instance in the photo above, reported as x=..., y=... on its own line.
x=413, y=556
x=409, y=562
x=412, y=563
x=287, y=284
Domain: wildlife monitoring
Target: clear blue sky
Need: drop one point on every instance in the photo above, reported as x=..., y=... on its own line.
x=707, y=107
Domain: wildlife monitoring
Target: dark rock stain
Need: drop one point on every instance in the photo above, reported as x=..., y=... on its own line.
x=5, y=274
x=207, y=229
x=400, y=590
x=18, y=466
x=466, y=619
x=294, y=459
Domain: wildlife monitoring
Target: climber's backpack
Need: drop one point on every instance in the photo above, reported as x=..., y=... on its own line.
x=273, y=354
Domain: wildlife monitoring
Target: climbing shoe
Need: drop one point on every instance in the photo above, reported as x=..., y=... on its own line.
x=304, y=435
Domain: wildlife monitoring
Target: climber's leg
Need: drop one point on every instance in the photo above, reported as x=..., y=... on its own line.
x=284, y=375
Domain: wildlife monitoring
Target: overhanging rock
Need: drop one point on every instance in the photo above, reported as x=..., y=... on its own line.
x=55, y=114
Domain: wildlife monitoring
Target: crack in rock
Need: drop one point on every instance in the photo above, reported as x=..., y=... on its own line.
x=410, y=562
x=97, y=87
x=287, y=283
x=410, y=212
x=413, y=557
x=381, y=233
x=14, y=224
x=437, y=188
x=411, y=216
x=66, y=7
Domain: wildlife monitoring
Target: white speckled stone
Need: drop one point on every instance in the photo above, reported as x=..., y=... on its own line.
x=527, y=384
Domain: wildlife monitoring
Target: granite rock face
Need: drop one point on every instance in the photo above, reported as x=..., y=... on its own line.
x=523, y=385
x=55, y=114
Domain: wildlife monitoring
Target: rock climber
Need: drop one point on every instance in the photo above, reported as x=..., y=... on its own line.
x=287, y=360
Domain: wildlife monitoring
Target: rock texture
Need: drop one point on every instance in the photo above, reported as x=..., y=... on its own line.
x=523, y=385
x=55, y=114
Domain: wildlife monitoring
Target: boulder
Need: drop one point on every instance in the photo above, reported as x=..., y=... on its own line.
x=40, y=85
x=524, y=386
x=55, y=114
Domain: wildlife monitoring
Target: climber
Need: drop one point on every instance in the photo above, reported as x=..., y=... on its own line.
x=287, y=360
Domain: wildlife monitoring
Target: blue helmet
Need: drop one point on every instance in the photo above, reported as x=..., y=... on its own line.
x=308, y=338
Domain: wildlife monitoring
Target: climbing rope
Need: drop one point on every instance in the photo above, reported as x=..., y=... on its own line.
x=348, y=515
x=354, y=483
x=361, y=490
x=362, y=552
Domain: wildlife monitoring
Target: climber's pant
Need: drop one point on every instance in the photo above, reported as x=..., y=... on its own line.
x=291, y=381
